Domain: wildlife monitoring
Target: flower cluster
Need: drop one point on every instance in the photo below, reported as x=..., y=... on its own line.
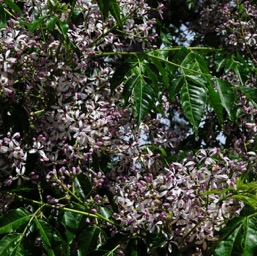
x=61, y=123
x=67, y=100
x=67, y=113
x=177, y=201
x=234, y=25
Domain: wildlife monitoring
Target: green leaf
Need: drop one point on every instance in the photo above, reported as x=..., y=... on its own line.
x=189, y=62
x=3, y=19
x=175, y=87
x=226, y=247
x=227, y=96
x=214, y=100
x=13, y=220
x=82, y=186
x=219, y=60
x=72, y=219
x=247, y=199
x=119, y=75
x=153, y=78
x=64, y=27
x=193, y=99
x=233, y=64
x=50, y=23
x=241, y=238
x=201, y=62
x=71, y=223
x=143, y=96
x=250, y=237
x=36, y=24
x=13, y=6
x=104, y=6
x=135, y=247
x=105, y=211
x=78, y=188
x=163, y=73
x=48, y=235
x=44, y=230
x=8, y=244
x=250, y=93
x=128, y=87
x=196, y=79
x=88, y=240
x=115, y=11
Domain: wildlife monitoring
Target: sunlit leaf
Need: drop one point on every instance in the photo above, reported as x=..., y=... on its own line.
x=116, y=13
x=215, y=102
x=105, y=211
x=13, y=220
x=64, y=27
x=227, y=96
x=241, y=240
x=193, y=99
x=226, y=247
x=50, y=23
x=8, y=243
x=250, y=93
x=143, y=96
x=36, y=24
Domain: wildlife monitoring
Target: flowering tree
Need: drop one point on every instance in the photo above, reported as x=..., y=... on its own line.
x=115, y=142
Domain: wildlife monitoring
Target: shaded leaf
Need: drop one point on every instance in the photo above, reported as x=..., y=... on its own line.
x=135, y=247
x=162, y=71
x=104, y=6
x=175, y=87
x=48, y=235
x=3, y=18
x=119, y=75
x=71, y=223
x=71, y=219
x=219, y=60
x=153, y=79
x=88, y=240
x=13, y=6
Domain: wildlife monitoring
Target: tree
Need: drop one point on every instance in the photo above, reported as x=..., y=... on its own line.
x=110, y=134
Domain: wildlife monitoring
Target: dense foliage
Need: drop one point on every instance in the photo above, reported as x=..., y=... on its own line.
x=126, y=130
